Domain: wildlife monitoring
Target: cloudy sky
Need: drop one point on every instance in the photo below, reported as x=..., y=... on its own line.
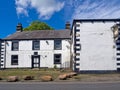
x=53, y=12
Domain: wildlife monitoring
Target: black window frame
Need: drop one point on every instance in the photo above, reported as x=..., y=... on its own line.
x=56, y=59
x=34, y=45
x=15, y=47
x=14, y=61
x=58, y=44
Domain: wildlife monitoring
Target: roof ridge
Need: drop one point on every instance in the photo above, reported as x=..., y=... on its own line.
x=40, y=34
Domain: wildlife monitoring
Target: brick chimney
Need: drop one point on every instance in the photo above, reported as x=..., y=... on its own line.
x=67, y=25
x=19, y=27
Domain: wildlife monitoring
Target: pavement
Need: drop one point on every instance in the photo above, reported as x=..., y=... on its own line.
x=59, y=85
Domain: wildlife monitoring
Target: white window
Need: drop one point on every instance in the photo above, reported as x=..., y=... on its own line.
x=36, y=45
x=57, y=44
x=15, y=46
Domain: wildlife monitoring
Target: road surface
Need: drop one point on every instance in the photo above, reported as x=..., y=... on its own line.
x=59, y=86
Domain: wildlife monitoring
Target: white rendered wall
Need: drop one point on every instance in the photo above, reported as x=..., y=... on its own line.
x=46, y=53
x=97, y=46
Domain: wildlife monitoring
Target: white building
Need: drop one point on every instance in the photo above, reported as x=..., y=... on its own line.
x=36, y=49
x=96, y=45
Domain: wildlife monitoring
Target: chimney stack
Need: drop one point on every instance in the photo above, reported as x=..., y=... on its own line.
x=67, y=25
x=19, y=27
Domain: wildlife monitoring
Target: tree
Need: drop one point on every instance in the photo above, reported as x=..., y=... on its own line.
x=37, y=25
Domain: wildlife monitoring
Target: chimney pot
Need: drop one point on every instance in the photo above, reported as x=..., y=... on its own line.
x=67, y=25
x=19, y=27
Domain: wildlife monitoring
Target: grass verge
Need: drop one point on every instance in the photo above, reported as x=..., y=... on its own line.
x=36, y=73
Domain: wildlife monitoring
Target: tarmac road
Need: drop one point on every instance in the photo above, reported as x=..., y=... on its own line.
x=60, y=86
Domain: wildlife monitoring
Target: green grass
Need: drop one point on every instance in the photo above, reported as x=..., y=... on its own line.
x=37, y=73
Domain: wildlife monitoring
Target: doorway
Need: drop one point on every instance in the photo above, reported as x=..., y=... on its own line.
x=36, y=61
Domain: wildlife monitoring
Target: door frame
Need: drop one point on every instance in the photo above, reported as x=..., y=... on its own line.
x=32, y=61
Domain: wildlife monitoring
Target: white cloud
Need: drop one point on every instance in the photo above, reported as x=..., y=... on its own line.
x=22, y=3
x=21, y=6
x=44, y=8
x=97, y=9
x=73, y=9
x=21, y=10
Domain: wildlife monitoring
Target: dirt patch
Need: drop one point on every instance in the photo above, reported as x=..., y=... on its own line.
x=98, y=77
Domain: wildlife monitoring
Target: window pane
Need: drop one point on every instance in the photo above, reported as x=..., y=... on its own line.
x=15, y=57
x=15, y=45
x=36, y=65
x=57, y=61
x=57, y=44
x=57, y=58
x=36, y=45
x=36, y=60
x=14, y=60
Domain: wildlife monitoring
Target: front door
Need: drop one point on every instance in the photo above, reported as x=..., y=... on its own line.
x=36, y=61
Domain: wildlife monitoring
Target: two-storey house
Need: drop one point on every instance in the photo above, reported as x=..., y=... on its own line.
x=36, y=49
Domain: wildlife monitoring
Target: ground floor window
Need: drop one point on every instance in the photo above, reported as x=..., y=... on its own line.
x=57, y=58
x=14, y=60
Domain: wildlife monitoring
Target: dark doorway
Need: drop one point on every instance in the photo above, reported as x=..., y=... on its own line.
x=36, y=61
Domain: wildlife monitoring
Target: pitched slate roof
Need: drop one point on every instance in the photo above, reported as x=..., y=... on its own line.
x=40, y=34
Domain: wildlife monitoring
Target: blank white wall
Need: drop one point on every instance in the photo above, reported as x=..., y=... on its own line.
x=97, y=52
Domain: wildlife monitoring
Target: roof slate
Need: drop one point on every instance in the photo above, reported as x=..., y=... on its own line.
x=40, y=34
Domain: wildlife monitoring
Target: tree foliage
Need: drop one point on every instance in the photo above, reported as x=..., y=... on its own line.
x=37, y=25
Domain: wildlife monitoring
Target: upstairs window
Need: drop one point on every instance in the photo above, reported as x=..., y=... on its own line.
x=57, y=44
x=57, y=58
x=14, y=60
x=36, y=45
x=15, y=46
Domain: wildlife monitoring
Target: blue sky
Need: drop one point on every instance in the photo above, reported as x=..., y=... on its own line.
x=53, y=12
